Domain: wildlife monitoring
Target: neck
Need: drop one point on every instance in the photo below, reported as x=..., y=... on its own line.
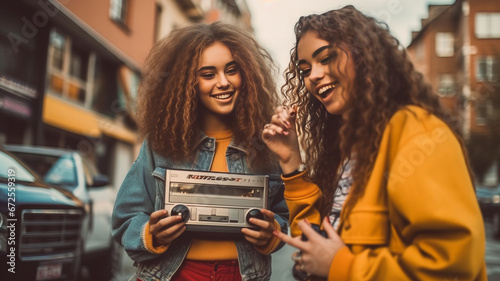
x=215, y=122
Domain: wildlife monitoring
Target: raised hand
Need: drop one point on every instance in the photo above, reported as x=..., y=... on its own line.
x=280, y=137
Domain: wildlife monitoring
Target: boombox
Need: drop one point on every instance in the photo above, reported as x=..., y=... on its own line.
x=213, y=202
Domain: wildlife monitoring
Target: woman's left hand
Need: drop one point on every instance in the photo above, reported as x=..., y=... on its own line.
x=265, y=234
x=317, y=253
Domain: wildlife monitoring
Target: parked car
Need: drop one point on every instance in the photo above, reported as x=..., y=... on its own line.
x=489, y=202
x=74, y=172
x=40, y=226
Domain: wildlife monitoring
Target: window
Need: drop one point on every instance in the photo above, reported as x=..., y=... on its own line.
x=483, y=112
x=118, y=11
x=487, y=25
x=487, y=69
x=444, y=44
x=68, y=65
x=57, y=44
x=446, y=85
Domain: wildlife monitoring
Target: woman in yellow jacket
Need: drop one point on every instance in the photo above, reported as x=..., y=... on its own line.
x=375, y=136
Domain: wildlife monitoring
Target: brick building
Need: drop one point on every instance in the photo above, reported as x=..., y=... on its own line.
x=69, y=70
x=458, y=50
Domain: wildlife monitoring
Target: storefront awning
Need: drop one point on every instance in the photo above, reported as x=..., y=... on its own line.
x=70, y=117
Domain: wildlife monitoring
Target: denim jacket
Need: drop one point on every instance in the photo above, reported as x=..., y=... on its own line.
x=142, y=192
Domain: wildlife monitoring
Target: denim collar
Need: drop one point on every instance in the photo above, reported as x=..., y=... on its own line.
x=207, y=143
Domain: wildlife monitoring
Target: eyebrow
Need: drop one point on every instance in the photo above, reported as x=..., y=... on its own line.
x=231, y=63
x=315, y=53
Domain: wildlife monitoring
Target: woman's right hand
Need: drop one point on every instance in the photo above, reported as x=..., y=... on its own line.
x=281, y=138
x=165, y=229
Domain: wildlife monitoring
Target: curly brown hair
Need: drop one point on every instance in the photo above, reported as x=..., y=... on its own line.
x=385, y=82
x=168, y=104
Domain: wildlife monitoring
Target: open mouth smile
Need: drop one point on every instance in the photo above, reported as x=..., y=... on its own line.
x=326, y=90
x=223, y=96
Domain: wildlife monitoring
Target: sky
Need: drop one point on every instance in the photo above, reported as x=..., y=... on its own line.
x=273, y=20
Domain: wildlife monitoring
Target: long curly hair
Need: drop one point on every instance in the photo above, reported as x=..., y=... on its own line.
x=385, y=81
x=168, y=103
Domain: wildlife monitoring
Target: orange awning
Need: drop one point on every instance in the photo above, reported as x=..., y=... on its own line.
x=70, y=117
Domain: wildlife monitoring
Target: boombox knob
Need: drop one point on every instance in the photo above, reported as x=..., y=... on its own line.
x=181, y=210
x=254, y=213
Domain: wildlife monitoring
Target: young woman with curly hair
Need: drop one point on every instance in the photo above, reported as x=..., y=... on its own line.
x=205, y=95
x=376, y=137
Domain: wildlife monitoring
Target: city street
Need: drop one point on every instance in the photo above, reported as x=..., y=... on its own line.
x=282, y=263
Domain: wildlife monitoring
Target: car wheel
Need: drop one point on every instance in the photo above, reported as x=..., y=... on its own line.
x=108, y=266
x=496, y=225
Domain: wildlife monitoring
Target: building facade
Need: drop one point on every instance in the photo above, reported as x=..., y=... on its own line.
x=69, y=70
x=458, y=50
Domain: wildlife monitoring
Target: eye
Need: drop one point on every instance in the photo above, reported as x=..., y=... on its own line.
x=304, y=72
x=326, y=60
x=232, y=70
x=207, y=75
x=329, y=58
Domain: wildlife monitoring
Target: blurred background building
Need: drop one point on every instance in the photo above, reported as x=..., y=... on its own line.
x=69, y=70
x=458, y=50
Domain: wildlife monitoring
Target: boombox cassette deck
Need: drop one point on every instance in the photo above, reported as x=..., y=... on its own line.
x=213, y=202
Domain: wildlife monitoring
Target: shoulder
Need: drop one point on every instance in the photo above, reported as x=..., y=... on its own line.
x=413, y=115
x=413, y=119
x=412, y=122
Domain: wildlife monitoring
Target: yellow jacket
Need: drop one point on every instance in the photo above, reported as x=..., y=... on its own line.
x=418, y=218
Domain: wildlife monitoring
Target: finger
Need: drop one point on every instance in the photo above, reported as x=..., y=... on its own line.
x=170, y=234
x=292, y=241
x=257, y=234
x=263, y=224
x=298, y=267
x=328, y=228
x=156, y=216
x=283, y=115
x=165, y=223
x=178, y=232
x=269, y=215
x=169, y=231
x=282, y=119
x=267, y=134
x=277, y=125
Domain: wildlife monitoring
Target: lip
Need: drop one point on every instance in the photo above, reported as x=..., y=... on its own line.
x=223, y=96
x=328, y=86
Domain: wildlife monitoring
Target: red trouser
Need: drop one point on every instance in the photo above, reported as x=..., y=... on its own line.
x=207, y=271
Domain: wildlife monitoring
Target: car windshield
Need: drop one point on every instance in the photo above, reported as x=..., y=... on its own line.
x=11, y=168
x=57, y=170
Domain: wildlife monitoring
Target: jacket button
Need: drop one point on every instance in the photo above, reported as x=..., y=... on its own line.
x=347, y=226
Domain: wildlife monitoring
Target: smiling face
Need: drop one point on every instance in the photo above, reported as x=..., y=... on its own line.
x=219, y=80
x=328, y=71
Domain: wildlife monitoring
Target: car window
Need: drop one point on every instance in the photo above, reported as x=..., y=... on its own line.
x=62, y=172
x=54, y=169
x=11, y=168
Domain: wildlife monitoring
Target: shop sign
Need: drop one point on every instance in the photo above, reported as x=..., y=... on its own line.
x=17, y=87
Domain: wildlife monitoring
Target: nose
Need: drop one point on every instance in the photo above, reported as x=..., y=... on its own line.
x=223, y=82
x=317, y=73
